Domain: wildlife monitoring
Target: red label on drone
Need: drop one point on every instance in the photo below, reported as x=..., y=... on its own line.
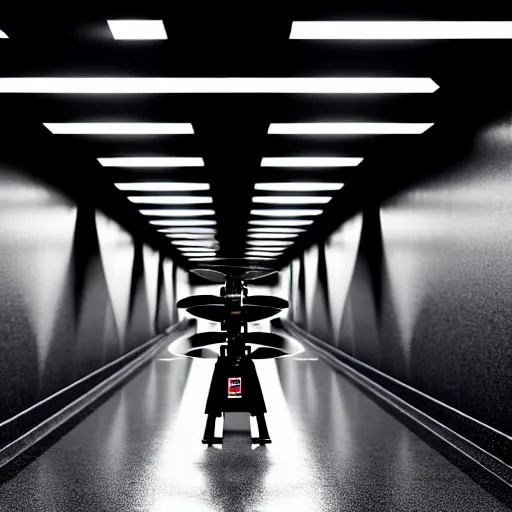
x=234, y=387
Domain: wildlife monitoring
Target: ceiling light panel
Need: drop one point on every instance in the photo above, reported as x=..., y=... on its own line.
x=193, y=254
x=164, y=186
x=196, y=249
x=287, y=213
x=189, y=230
x=259, y=85
x=272, y=235
x=257, y=258
x=211, y=244
x=120, y=128
x=183, y=223
x=291, y=199
x=177, y=213
x=268, y=248
x=278, y=245
x=292, y=186
x=348, y=128
x=189, y=236
x=170, y=199
x=208, y=258
x=310, y=161
x=414, y=30
x=137, y=29
x=3, y=35
x=276, y=230
x=151, y=161
x=287, y=222
x=263, y=254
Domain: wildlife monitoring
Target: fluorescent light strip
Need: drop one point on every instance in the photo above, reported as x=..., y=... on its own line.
x=137, y=29
x=151, y=161
x=194, y=243
x=187, y=236
x=348, y=128
x=182, y=223
x=203, y=259
x=287, y=222
x=195, y=249
x=380, y=30
x=177, y=213
x=298, y=186
x=272, y=235
x=310, y=161
x=194, y=254
x=120, y=128
x=170, y=199
x=291, y=199
x=3, y=35
x=188, y=231
x=259, y=85
x=267, y=248
x=257, y=258
x=164, y=186
x=286, y=213
x=270, y=243
x=276, y=230
x=264, y=254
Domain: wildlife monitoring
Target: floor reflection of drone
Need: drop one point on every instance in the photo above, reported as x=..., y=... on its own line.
x=235, y=386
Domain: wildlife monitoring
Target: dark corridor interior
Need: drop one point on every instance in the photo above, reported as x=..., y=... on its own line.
x=361, y=153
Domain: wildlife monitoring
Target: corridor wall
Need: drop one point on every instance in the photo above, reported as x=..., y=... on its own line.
x=76, y=291
x=419, y=286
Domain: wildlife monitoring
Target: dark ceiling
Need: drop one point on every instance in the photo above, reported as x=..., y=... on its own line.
x=230, y=130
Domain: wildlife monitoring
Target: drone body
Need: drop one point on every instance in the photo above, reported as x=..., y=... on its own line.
x=235, y=386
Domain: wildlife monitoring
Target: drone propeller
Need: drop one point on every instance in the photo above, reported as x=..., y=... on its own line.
x=269, y=339
x=220, y=273
x=267, y=353
x=203, y=353
x=246, y=313
x=266, y=300
x=199, y=300
x=211, y=275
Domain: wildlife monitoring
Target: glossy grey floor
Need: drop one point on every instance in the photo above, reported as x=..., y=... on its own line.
x=333, y=449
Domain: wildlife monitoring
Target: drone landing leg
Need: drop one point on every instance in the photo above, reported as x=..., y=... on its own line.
x=263, y=437
x=209, y=431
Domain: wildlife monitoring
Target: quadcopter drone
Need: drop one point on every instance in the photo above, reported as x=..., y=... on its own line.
x=235, y=386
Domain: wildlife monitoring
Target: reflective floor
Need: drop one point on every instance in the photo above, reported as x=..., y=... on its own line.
x=333, y=450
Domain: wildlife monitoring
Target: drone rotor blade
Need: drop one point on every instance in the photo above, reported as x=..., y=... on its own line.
x=269, y=339
x=212, y=275
x=266, y=300
x=217, y=313
x=267, y=353
x=199, y=300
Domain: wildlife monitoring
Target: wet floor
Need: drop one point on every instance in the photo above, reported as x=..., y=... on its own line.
x=333, y=449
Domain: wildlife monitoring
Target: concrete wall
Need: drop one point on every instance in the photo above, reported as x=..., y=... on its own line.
x=76, y=291
x=420, y=286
